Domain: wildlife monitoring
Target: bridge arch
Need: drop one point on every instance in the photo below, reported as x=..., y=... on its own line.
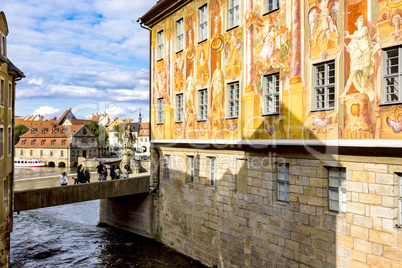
x=51, y=164
x=61, y=164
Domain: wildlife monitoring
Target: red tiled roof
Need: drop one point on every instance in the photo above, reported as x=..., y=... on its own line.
x=143, y=129
x=43, y=143
x=79, y=121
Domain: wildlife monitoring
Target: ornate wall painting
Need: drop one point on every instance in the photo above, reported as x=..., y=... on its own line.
x=178, y=131
x=203, y=130
x=323, y=26
x=168, y=58
x=323, y=125
x=389, y=22
x=232, y=52
x=160, y=82
x=179, y=69
x=271, y=45
x=190, y=41
x=272, y=127
x=232, y=129
x=203, y=64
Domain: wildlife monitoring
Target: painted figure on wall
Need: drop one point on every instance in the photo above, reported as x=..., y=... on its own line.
x=361, y=49
x=396, y=21
x=179, y=80
x=190, y=95
x=232, y=55
x=218, y=81
x=202, y=65
x=324, y=34
x=190, y=51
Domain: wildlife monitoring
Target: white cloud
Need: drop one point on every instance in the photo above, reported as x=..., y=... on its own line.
x=48, y=112
x=72, y=50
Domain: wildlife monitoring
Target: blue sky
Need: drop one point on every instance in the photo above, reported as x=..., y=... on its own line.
x=88, y=55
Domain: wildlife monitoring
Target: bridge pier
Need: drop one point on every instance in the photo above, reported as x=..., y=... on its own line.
x=132, y=213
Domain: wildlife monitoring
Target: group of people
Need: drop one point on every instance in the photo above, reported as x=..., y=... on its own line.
x=84, y=176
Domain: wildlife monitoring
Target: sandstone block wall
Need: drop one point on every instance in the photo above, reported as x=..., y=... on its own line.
x=240, y=223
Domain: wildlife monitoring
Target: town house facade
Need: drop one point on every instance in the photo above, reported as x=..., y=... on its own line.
x=276, y=127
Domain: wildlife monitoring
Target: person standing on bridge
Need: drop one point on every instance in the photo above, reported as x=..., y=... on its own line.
x=100, y=171
x=104, y=173
x=112, y=172
x=63, y=179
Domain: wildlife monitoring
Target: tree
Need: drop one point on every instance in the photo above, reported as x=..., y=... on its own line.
x=100, y=133
x=19, y=130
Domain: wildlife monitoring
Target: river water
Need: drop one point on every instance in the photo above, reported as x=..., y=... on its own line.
x=70, y=236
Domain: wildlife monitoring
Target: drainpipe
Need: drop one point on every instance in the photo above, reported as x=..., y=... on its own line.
x=150, y=97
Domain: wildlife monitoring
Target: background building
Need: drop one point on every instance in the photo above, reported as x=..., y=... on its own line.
x=9, y=75
x=277, y=126
x=57, y=145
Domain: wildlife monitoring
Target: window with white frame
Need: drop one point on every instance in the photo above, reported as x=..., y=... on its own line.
x=2, y=92
x=31, y=153
x=160, y=45
x=61, y=153
x=167, y=167
x=159, y=118
x=1, y=141
x=10, y=95
x=400, y=199
x=179, y=108
x=271, y=94
x=282, y=182
x=233, y=100
x=179, y=35
x=10, y=141
x=203, y=19
x=392, y=76
x=324, y=86
x=202, y=104
x=337, y=189
x=212, y=181
x=191, y=169
x=22, y=152
x=271, y=5
x=41, y=152
x=233, y=13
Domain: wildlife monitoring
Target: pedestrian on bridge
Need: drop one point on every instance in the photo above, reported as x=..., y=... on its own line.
x=63, y=179
x=100, y=171
x=104, y=173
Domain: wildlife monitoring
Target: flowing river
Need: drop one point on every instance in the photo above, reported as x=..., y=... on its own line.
x=69, y=236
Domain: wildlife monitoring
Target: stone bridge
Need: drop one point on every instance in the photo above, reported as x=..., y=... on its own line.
x=28, y=199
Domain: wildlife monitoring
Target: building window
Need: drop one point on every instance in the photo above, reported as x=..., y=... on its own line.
x=179, y=108
x=212, y=171
x=72, y=153
x=203, y=18
x=2, y=92
x=271, y=94
x=78, y=153
x=52, y=142
x=160, y=45
x=159, y=119
x=337, y=189
x=282, y=183
x=23, y=142
x=51, y=153
x=233, y=13
x=22, y=152
x=63, y=142
x=180, y=35
x=400, y=200
x=42, y=142
x=41, y=152
x=391, y=76
x=191, y=169
x=33, y=142
x=271, y=5
x=10, y=95
x=324, y=86
x=233, y=100
x=10, y=141
x=167, y=167
x=202, y=104
x=61, y=153
x=31, y=153
x=1, y=141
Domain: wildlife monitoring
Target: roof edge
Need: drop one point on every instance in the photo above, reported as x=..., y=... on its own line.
x=161, y=10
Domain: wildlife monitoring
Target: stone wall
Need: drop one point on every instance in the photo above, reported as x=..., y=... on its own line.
x=239, y=222
x=5, y=243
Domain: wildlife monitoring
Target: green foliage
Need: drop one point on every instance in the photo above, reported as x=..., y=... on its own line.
x=119, y=132
x=100, y=132
x=18, y=131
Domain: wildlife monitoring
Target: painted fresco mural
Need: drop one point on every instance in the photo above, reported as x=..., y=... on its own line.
x=261, y=45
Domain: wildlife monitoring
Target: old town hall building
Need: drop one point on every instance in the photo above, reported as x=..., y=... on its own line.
x=277, y=128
